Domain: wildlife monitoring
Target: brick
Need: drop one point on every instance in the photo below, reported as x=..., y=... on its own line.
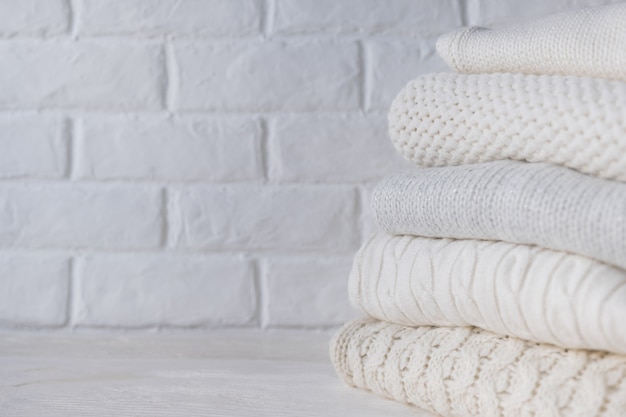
x=263, y=217
x=492, y=13
x=498, y=13
x=79, y=216
x=33, y=146
x=267, y=76
x=178, y=17
x=392, y=64
x=34, y=290
x=330, y=148
x=179, y=148
x=86, y=75
x=407, y=17
x=308, y=292
x=34, y=17
x=140, y=290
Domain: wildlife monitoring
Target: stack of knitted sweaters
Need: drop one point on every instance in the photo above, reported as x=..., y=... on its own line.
x=499, y=287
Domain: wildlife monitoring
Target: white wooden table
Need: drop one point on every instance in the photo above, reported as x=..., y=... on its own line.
x=220, y=374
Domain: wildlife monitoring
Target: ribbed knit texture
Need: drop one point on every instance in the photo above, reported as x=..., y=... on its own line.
x=454, y=119
x=586, y=42
x=465, y=371
x=518, y=290
x=538, y=204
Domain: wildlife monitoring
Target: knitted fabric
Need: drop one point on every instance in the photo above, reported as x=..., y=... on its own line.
x=539, y=204
x=454, y=119
x=585, y=42
x=518, y=290
x=465, y=371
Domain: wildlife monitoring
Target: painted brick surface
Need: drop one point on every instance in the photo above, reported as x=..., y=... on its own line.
x=261, y=217
x=406, y=17
x=310, y=293
x=176, y=149
x=34, y=17
x=324, y=148
x=497, y=13
x=267, y=76
x=32, y=146
x=80, y=216
x=164, y=290
x=89, y=75
x=33, y=289
x=179, y=17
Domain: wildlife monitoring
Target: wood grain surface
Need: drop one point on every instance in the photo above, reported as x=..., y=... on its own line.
x=230, y=373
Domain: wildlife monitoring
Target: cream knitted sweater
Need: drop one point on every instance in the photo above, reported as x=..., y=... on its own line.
x=517, y=290
x=455, y=119
x=464, y=371
x=539, y=204
x=586, y=42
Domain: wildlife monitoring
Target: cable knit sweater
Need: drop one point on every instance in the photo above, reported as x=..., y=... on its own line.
x=454, y=119
x=465, y=371
x=539, y=204
x=586, y=42
x=517, y=290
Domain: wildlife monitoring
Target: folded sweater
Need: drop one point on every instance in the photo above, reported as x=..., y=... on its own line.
x=517, y=202
x=454, y=119
x=586, y=42
x=465, y=371
x=517, y=290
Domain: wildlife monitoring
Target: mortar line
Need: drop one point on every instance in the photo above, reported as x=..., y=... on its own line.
x=150, y=184
x=69, y=150
x=229, y=253
x=262, y=292
x=69, y=307
x=267, y=12
x=171, y=76
x=360, y=213
x=464, y=12
x=258, y=297
x=363, y=76
x=165, y=219
x=76, y=112
x=73, y=18
x=73, y=131
x=265, y=153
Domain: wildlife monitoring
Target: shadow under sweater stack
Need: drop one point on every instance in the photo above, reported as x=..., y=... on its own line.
x=499, y=287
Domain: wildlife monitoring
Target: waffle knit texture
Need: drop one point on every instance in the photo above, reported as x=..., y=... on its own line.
x=585, y=42
x=466, y=371
x=511, y=289
x=537, y=204
x=455, y=119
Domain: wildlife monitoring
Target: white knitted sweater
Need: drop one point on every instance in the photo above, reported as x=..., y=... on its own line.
x=454, y=119
x=464, y=372
x=517, y=290
x=586, y=42
x=539, y=204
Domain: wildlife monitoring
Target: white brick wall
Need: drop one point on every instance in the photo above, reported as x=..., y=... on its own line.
x=146, y=290
x=35, y=289
x=33, y=146
x=323, y=148
x=227, y=18
x=179, y=148
x=201, y=163
x=263, y=217
x=266, y=75
x=90, y=75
